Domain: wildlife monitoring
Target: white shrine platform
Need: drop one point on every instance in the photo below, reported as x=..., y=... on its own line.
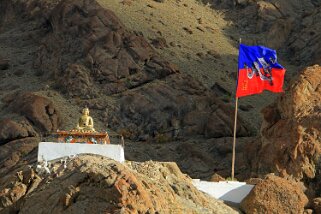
x=230, y=191
x=48, y=151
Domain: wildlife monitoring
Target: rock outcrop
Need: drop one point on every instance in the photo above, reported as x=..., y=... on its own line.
x=275, y=195
x=93, y=52
x=17, y=154
x=13, y=188
x=40, y=111
x=11, y=130
x=290, y=133
x=96, y=183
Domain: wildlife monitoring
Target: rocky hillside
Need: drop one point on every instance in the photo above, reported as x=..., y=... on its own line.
x=161, y=74
x=61, y=56
x=117, y=74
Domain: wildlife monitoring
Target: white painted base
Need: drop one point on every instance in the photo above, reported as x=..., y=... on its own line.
x=48, y=151
x=231, y=191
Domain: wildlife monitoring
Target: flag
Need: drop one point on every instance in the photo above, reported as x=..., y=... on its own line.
x=258, y=70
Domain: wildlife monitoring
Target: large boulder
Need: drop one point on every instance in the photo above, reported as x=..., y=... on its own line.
x=40, y=111
x=11, y=130
x=275, y=195
x=290, y=133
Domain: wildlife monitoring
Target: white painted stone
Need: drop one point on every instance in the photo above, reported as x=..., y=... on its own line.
x=48, y=151
x=231, y=191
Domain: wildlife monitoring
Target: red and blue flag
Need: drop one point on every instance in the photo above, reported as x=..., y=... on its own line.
x=258, y=71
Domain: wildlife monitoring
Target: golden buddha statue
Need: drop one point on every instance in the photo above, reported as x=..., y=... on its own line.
x=85, y=122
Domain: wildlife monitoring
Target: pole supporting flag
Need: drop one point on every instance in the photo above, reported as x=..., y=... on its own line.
x=258, y=70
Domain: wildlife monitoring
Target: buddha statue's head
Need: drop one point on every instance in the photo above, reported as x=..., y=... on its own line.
x=85, y=111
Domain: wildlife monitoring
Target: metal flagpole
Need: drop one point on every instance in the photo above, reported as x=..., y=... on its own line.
x=234, y=133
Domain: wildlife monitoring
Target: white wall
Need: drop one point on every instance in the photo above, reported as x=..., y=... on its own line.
x=49, y=151
x=231, y=191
